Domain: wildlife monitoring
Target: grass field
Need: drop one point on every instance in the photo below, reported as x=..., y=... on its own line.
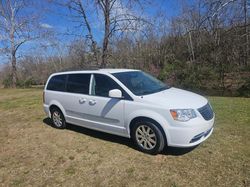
x=34, y=154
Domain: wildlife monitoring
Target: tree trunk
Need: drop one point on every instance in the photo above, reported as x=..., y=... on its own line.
x=13, y=62
x=94, y=49
x=191, y=46
x=246, y=32
x=106, y=34
x=93, y=43
x=13, y=58
x=13, y=49
x=13, y=66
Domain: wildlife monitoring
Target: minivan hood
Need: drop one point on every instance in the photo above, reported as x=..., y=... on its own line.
x=174, y=98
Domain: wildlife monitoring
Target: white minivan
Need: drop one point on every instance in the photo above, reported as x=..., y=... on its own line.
x=129, y=103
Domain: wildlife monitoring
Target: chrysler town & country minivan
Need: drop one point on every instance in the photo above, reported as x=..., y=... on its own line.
x=129, y=103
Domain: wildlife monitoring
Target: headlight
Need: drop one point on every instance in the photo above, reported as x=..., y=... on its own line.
x=183, y=114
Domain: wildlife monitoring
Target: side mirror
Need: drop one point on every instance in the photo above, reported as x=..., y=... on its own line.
x=115, y=93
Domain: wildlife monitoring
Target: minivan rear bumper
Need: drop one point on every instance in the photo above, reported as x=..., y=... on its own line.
x=46, y=110
x=190, y=136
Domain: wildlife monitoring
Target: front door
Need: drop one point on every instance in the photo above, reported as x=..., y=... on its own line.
x=107, y=112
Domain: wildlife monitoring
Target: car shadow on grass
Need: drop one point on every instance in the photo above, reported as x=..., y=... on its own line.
x=173, y=151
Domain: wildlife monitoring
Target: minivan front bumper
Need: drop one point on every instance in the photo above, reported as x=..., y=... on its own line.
x=190, y=136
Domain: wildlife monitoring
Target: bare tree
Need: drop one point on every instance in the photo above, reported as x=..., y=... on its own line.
x=116, y=16
x=78, y=7
x=17, y=27
x=106, y=6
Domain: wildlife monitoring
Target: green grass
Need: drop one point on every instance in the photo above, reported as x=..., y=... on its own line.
x=33, y=153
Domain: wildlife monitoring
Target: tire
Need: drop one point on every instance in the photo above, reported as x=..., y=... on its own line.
x=58, y=120
x=148, y=137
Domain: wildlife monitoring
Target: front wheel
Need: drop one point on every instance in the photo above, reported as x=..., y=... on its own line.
x=148, y=137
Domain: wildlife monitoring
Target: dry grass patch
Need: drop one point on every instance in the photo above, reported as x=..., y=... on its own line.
x=33, y=153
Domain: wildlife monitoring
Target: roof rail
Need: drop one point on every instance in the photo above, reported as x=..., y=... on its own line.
x=79, y=68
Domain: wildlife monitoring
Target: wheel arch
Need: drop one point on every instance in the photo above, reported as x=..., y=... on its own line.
x=56, y=104
x=149, y=119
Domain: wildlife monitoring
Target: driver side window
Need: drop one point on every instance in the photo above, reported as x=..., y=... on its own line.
x=102, y=84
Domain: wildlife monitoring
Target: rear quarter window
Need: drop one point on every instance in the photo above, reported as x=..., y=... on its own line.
x=57, y=83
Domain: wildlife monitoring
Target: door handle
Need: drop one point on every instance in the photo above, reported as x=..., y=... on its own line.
x=92, y=102
x=82, y=100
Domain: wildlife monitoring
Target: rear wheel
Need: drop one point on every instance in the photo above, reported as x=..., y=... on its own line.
x=58, y=118
x=148, y=137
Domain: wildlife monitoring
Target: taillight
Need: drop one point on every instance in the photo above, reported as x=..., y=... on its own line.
x=43, y=97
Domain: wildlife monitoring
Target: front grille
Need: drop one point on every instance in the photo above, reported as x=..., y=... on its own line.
x=206, y=112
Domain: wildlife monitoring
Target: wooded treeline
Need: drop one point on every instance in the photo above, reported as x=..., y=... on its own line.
x=205, y=48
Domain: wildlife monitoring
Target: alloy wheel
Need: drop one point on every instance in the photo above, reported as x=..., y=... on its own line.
x=146, y=137
x=57, y=119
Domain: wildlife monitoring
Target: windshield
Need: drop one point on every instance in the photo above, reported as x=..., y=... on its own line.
x=140, y=83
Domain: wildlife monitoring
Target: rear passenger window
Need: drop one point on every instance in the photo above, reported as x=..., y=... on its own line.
x=78, y=83
x=57, y=83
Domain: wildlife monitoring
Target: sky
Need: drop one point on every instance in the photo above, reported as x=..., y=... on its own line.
x=57, y=19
